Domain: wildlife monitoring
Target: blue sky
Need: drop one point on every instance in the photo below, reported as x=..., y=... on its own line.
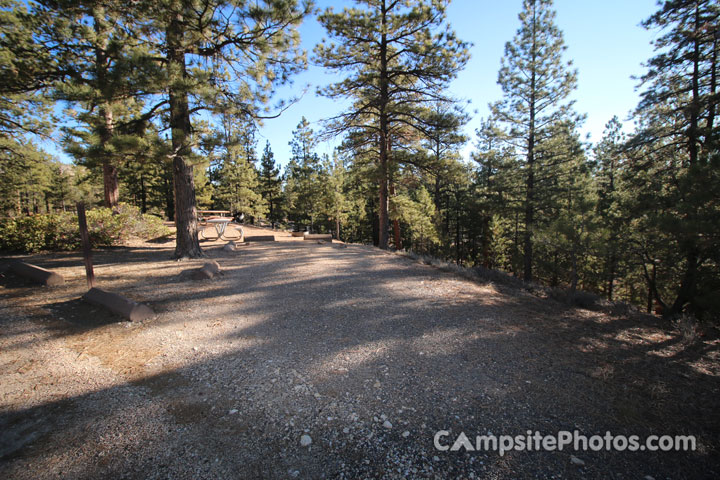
x=604, y=39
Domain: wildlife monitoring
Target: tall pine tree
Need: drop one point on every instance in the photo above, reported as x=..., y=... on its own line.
x=397, y=57
x=536, y=83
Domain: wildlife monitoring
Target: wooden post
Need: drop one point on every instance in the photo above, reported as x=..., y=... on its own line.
x=87, y=252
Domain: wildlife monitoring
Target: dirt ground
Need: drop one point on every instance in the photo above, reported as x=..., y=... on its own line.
x=364, y=353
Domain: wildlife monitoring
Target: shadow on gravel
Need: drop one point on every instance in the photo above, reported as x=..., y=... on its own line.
x=376, y=335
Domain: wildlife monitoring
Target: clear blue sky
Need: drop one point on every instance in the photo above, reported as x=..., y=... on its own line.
x=604, y=41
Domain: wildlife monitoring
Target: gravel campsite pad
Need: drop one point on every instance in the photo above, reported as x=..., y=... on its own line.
x=318, y=360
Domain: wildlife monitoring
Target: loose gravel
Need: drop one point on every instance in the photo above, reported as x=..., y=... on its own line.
x=307, y=360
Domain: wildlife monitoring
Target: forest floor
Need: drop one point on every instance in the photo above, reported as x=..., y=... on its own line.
x=365, y=352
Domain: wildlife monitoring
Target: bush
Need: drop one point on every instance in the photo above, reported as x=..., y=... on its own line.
x=57, y=232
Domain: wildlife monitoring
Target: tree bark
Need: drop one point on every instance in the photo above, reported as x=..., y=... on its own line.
x=384, y=130
x=187, y=244
x=396, y=224
x=111, y=187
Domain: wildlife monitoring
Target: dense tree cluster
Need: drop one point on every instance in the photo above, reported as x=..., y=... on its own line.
x=161, y=98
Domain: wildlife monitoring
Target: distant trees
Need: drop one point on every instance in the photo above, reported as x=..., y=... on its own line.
x=233, y=174
x=271, y=185
x=306, y=178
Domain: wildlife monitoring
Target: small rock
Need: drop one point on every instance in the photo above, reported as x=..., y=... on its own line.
x=406, y=434
x=305, y=441
x=436, y=458
x=233, y=411
x=294, y=473
x=387, y=424
x=346, y=430
x=229, y=247
x=576, y=461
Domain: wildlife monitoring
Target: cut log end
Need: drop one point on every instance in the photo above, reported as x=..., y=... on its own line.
x=129, y=309
x=38, y=274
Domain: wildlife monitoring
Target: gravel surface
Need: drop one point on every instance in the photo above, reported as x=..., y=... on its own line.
x=309, y=360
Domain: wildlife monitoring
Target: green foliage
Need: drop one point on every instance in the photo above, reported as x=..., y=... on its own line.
x=56, y=232
x=416, y=210
x=306, y=179
x=271, y=185
x=673, y=163
x=233, y=174
x=398, y=58
x=536, y=83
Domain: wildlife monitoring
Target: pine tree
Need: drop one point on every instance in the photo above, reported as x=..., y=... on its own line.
x=337, y=201
x=105, y=84
x=496, y=199
x=233, y=174
x=675, y=152
x=224, y=55
x=398, y=57
x=609, y=165
x=306, y=180
x=536, y=84
x=28, y=66
x=271, y=185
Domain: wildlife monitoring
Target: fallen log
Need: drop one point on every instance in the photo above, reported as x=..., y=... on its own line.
x=260, y=238
x=133, y=311
x=38, y=274
x=326, y=237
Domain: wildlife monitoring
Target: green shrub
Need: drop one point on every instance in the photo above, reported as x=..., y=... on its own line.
x=60, y=231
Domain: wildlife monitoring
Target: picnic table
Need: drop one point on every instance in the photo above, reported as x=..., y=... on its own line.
x=204, y=215
x=217, y=219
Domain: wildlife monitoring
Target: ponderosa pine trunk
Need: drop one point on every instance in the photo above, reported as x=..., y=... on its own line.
x=111, y=188
x=383, y=223
x=187, y=244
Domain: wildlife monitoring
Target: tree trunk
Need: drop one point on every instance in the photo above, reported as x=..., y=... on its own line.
x=384, y=130
x=686, y=293
x=110, y=174
x=143, y=195
x=486, y=240
x=187, y=244
x=397, y=240
x=611, y=277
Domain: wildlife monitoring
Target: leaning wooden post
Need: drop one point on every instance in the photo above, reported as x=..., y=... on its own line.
x=87, y=252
